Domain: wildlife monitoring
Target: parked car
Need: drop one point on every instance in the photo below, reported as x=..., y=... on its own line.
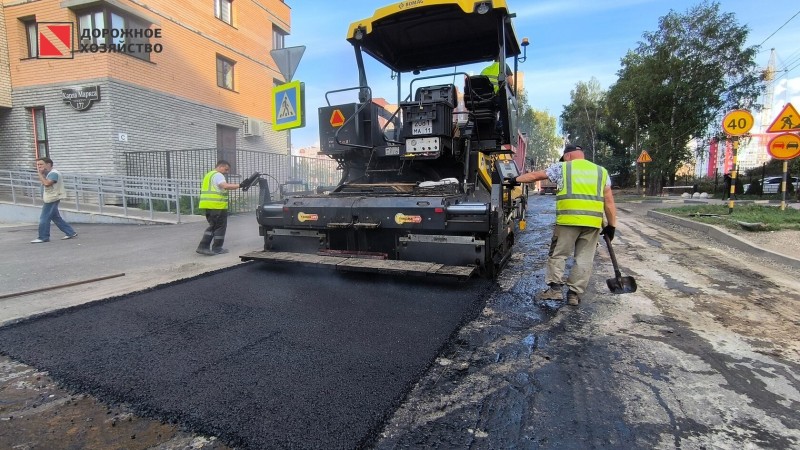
x=772, y=185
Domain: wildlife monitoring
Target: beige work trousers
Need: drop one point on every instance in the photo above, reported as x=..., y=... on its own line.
x=579, y=242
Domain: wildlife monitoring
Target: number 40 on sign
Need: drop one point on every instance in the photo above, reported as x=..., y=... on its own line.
x=737, y=122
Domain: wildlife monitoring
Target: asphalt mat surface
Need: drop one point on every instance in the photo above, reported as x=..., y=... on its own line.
x=258, y=357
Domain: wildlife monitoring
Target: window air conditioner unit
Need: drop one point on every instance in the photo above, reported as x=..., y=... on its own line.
x=252, y=127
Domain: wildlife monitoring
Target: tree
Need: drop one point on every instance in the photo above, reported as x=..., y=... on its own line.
x=681, y=80
x=581, y=119
x=543, y=141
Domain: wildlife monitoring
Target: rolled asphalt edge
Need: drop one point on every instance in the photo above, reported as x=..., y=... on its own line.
x=723, y=236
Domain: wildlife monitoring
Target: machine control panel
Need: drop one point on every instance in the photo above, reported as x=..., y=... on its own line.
x=507, y=168
x=425, y=145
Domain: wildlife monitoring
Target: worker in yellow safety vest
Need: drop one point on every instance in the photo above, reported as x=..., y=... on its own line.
x=584, y=197
x=214, y=200
x=493, y=72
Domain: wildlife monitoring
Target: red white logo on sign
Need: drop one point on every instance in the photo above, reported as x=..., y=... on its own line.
x=54, y=40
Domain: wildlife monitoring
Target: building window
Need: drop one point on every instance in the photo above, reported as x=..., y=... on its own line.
x=222, y=10
x=40, y=133
x=278, y=38
x=106, y=19
x=225, y=72
x=30, y=33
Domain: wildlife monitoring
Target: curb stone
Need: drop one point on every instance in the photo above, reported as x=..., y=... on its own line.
x=726, y=238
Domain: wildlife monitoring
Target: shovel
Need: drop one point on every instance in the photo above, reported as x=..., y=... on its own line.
x=618, y=284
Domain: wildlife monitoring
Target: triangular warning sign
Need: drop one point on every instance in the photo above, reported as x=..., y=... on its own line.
x=287, y=59
x=287, y=110
x=337, y=118
x=787, y=120
x=644, y=157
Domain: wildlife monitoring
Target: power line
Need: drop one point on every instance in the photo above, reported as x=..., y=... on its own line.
x=779, y=28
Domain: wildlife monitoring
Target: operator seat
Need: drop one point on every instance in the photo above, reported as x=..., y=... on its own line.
x=481, y=101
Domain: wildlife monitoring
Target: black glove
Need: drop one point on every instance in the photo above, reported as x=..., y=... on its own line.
x=512, y=181
x=245, y=185
x=608, y=230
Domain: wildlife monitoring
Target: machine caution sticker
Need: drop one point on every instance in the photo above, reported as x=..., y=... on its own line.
x=303, y=217
x=401, y=218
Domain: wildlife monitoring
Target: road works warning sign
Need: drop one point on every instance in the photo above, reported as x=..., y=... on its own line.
x=287, y=101
x=644, y=157
x=787, y=120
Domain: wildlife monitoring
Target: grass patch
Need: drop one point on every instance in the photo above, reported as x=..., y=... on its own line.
x=771, y=216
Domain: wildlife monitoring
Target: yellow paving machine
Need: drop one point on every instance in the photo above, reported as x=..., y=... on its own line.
x=422, y=190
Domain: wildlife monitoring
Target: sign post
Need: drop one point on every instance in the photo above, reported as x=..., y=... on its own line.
x=643, y=159
x=736, y=123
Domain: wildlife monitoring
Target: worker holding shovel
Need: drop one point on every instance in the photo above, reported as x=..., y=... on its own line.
x=584, y=195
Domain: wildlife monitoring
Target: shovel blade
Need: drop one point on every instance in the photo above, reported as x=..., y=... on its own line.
x=621, y=285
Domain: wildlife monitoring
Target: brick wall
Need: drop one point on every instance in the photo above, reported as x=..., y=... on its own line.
x=89, y=141
x=169, y=102
x=5, y=70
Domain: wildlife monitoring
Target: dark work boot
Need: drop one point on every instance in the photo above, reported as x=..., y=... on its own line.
x=573, y=299
x=553, y=292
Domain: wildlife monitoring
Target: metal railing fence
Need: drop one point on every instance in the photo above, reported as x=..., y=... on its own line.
x=192, y=164
x=173, y=183
x=107, y=194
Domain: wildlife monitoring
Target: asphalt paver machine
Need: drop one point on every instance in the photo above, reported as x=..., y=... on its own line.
x=422, y=190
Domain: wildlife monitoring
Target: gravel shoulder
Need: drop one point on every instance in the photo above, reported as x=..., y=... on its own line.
x=785, y=242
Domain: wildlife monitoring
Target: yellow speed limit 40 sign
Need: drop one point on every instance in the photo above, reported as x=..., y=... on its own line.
x=737, y=122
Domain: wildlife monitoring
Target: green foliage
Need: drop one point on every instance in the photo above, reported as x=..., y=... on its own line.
x=544, y=144
x=774, y=168
x=772, y=217
x=582, y=119
x=674, y=88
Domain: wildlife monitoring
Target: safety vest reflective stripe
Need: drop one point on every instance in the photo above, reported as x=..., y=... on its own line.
x=580, y=197
x=582, y=213
x=210, y=197
x=580, y=201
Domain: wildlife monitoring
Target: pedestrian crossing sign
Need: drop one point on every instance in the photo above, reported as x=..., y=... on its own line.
x=788, y=120
x=287, y=106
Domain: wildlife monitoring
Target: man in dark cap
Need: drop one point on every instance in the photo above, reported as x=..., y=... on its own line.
x=584, y=197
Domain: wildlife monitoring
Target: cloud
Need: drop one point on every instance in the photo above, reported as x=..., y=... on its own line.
x=787, y=91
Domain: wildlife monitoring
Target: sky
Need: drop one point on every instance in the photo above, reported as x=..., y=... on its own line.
x=570, y=41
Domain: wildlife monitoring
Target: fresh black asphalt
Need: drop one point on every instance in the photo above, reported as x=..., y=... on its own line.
x=259, y=357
